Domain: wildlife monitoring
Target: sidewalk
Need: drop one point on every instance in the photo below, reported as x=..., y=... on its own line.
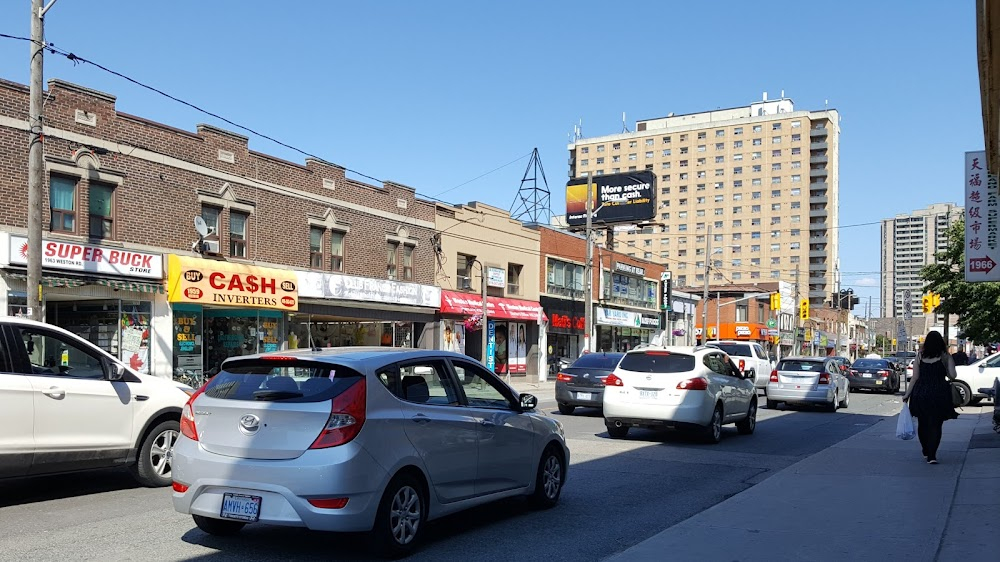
x=869, y=497
x=543, y=391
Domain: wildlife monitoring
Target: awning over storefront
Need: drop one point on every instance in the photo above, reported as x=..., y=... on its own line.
x=221, y=283
x=467, y=304
x=55, y=281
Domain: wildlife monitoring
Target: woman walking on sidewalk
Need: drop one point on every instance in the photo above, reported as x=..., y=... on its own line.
x=929, y=392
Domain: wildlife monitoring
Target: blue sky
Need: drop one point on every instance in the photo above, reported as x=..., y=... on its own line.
x=433, y=94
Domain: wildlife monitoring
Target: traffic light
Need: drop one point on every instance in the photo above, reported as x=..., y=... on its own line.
x=775, y=301
x=935, y=300
x=928, y=304
x=804, y=309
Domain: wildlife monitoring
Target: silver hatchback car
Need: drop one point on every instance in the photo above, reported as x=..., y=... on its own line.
x=809, y=380
x=360, y=439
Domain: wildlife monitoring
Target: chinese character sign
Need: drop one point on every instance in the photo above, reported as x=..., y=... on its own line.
x=982, y=220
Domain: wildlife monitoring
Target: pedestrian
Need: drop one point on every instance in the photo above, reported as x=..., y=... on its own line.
x=972, y=356
x=960, y=357
x=929, y=393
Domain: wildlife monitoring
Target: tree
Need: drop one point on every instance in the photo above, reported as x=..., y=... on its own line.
x=976, y=304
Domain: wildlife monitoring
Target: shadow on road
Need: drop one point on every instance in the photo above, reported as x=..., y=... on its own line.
x=43, y=488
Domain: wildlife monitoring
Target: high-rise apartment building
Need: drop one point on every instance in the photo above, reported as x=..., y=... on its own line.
x=760, y=181
x=909, y=242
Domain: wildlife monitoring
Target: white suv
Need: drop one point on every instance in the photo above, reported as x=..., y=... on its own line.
x=68, y=405
x=679, y=388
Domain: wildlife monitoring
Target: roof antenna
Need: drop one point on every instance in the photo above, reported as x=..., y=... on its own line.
x=624, y=126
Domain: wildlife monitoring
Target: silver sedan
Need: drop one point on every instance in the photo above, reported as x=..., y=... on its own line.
x=360, y=439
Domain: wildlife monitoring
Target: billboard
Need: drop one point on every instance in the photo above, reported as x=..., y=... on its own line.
x=615, y=198
x=982, y=220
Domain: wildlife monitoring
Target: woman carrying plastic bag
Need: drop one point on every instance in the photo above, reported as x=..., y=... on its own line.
x=904, y=425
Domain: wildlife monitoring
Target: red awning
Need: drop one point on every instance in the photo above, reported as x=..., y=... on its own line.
x=468, y=304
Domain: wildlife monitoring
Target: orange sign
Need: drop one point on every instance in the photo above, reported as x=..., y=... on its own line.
x=219, y=283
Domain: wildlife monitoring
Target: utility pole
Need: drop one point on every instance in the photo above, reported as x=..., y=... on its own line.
x=482, y=269
x=588, y=297
x=798, y=318
x=704, y=298
x=36, y=175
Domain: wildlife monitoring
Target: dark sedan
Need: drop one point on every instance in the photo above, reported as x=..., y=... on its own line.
x=582, y=383
x=874, y=374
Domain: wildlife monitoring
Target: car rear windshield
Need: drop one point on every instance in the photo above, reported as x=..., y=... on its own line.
x=598, y=360
x=737, y=349
x=870, y=364
x=281, y=380
x=657, y=362
x=793, y=365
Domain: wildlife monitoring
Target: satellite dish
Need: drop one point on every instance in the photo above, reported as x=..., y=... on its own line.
x=201, y=226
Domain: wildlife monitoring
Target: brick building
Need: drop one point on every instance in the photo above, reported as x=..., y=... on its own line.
x=625, y=292
x=294, y=254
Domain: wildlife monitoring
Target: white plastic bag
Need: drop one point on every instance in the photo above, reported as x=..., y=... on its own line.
x=904, y=424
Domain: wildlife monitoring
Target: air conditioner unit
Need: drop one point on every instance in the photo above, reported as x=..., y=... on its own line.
x=211, y=247
x=464, y=282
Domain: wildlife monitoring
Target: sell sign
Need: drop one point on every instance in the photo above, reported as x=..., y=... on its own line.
x=217, y=283
x=88, y=258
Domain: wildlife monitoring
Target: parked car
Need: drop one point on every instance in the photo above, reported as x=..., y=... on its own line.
x=971, y=378
x=360, y=439
x=68, y=405
x=684, y=388
x=909, y=370
x=751, y=359
x=808, y=380
x=874, y=374
x=582, y=383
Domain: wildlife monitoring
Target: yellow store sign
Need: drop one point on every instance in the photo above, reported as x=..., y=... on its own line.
x=219, y=283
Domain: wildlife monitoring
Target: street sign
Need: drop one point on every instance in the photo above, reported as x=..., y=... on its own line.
x=665, y=276
x=982, y=247
x=907, y=305
x=770, y=323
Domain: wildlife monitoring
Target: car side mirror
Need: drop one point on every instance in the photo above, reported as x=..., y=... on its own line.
x=528, y=402
x=114, y=371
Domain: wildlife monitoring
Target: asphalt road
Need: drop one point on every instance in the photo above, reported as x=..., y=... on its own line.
x=618, y=494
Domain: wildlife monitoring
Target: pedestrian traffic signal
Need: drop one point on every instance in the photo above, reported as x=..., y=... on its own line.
x=775, y=301
x=804, y=309
x=928, y=304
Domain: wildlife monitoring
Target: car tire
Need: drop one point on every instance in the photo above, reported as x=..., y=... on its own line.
x=153, y=467
x=772, y=404
x=566, y=409
x=550, y=478
x=401, y=517
x=617, y=432
x=847, y=399
x=712, y=433
x=746, y=425
x=832, y=406
x=966, y=393
x=217, y=527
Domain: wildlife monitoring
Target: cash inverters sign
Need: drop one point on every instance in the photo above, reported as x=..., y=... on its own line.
x=615, y=198
x=218, y=283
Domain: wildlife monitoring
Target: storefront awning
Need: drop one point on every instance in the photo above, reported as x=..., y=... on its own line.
x=55, y=281
x=467, y=304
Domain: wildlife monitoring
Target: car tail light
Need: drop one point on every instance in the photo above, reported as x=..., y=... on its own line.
x=180, y=488
x=347, y=416
x=613, y=380
x=697, y=383
x=824, y=378
x=774, y=375
x=329, y=503
x=563, y=377
x=853, y=372
x=188, y=428
x=743, y=365
x=882, y=373
x=657, y=352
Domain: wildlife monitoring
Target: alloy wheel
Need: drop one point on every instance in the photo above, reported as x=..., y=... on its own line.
x=717, y=425
x=404, y=515
x=552, y=476
x=161, y=454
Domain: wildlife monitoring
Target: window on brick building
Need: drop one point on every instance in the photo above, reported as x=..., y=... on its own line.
x=463, y=271
x=211, y=216
x=315, y=247
x=62, y=204
x=100, y=208
x=391, y=250
x=238, y=234
x=336, y=251
x=407, y=263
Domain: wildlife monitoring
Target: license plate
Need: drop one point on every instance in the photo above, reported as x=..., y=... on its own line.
x=583, y=395
x=651, y=394
x=240, y=507
x=879, y=382
x=866, y=375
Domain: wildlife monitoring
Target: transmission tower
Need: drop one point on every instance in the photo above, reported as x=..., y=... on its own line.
x=532, y=199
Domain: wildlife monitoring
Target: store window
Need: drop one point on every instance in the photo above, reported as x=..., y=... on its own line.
x=238, y=234
x=336, y=251
x=120, y=327
x=62, y=204
x=315, y=247
x=514, y=278
x=101, y=209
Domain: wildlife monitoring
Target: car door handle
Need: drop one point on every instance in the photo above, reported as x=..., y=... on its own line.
x=55, y=392
x=487, y=423
x=421, y=419
x=141, y=397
